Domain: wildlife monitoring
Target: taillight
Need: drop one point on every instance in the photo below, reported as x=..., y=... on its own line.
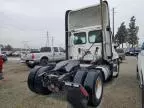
x=83, y=91
x=33, y=56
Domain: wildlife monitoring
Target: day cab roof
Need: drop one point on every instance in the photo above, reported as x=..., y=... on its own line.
x=88, y=17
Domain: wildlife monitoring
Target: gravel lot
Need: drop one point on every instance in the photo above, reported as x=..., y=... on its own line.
x=122, y=92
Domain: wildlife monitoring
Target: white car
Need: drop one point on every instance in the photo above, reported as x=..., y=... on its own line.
x=140, y=71
x=140, y=67
x=45, y=55
x=16, y=53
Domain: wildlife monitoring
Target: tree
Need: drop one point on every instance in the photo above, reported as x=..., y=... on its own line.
x=1, y=46
x=8, y=47
x=132, y=32
x=121, y=36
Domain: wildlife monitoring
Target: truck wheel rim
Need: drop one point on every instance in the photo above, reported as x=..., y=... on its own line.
x=98, y=88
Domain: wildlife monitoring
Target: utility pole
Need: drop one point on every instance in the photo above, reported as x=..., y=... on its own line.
x=47, y=42
x=113, y=12
x=53, y=46
x=52, y=40
x=26, y=46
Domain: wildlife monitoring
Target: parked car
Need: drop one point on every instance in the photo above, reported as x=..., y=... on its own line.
x=23, y=55
x=121, y=54
x=137, y=50
x=132, y=51
x=44, y=56
x=7, y=53
x=4, y=56
x=16, y=53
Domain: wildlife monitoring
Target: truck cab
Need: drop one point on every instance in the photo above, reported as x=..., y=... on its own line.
x=84, y=29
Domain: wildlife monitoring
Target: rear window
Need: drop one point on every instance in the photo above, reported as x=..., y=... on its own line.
x=34, y=51
x=55, y=49
x=95, y=36
x=80, y=38
x=45, y=49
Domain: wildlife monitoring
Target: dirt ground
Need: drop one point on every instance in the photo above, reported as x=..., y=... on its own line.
x=122, y=92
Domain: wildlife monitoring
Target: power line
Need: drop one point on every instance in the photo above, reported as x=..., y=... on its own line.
x=113, y=23
x=25, y=43
x=52, y=41
x=48, y=38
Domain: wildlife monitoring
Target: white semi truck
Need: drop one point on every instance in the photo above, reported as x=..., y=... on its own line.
x=91, y=59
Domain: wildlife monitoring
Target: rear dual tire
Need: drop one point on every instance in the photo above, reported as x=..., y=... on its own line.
x=34, y=81
x=92, y=81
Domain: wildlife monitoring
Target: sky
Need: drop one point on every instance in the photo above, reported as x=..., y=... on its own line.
x=26, y=22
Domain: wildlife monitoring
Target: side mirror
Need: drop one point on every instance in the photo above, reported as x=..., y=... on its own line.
x=108, y=28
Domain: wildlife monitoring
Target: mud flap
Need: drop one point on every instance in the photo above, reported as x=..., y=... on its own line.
x=116, y=67
x=77, y=97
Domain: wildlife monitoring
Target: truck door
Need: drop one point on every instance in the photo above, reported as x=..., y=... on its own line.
x=56, y=54
x=62, y=53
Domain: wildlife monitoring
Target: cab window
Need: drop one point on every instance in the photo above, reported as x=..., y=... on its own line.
x=80, y=38
x=95, y=36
